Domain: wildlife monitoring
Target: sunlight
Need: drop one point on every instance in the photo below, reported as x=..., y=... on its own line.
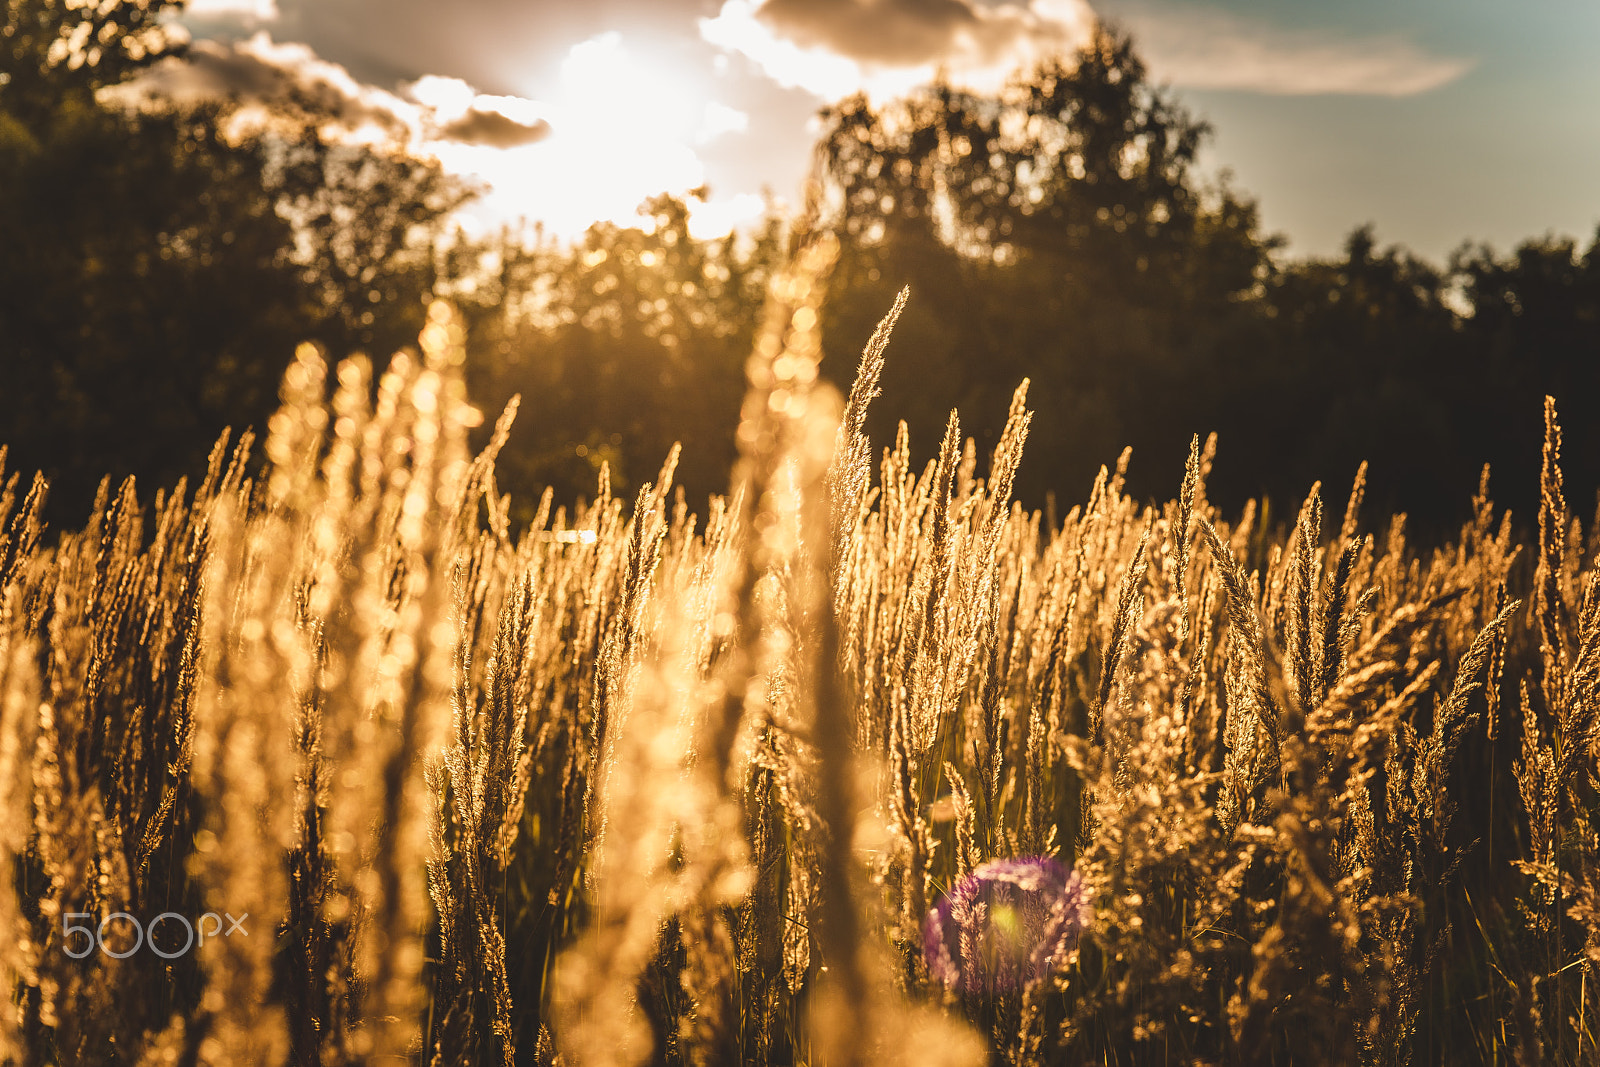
x=816, y=70
x=720, y=215
x=623, y=127
x=264, y=10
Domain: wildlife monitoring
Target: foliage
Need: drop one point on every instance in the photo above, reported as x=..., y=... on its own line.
x=145, y=288
x=621, y=345
x=1071, y=194
x=57, y=48
x=162, y=266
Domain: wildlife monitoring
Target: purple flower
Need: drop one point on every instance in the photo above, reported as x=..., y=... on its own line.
x=1005, y=925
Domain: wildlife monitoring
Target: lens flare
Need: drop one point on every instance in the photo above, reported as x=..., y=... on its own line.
x=1005, y=926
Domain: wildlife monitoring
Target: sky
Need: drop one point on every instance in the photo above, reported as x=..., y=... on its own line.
x=1436, y=121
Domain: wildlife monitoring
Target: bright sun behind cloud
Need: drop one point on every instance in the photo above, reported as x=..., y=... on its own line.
x=622, y=128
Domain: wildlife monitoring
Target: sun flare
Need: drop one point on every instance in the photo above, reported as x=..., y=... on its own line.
x=623, y=125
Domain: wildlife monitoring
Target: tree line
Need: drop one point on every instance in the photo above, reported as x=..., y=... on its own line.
x=160, y=270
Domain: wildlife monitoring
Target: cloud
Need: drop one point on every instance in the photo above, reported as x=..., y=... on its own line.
x=718, y=218
x=258, y=74
x=458, y=112
x=903, y=32
x=832, y=48
x=721, y=119
x=1217, y=50
x=263, y=10
x=493, y=129
x=502, y=46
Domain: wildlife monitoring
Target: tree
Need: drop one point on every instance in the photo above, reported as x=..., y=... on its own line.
x=631, y=340
x=369, y=226
x=145, y=298
x=1054, y=231
x=1359, y=365
x=160, y=268
x=56, y=49
x=1532, y=328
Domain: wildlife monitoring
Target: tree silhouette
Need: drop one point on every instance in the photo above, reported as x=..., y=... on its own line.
x=620, y=346
x=55, y=49
x=160, y=271
x=1055, y=231
x=1533, y=328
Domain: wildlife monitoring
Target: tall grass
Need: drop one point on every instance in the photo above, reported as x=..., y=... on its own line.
x=631, y=785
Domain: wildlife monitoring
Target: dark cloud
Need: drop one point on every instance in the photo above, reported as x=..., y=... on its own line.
x=892, y=31
x=493, y=129
x=257, y=71
x=500, y=46
x=908, y=32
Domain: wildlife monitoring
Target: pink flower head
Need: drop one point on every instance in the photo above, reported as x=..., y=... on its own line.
x=1005, y=926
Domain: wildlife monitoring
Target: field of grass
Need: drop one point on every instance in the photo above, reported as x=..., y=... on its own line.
x=321, y=762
